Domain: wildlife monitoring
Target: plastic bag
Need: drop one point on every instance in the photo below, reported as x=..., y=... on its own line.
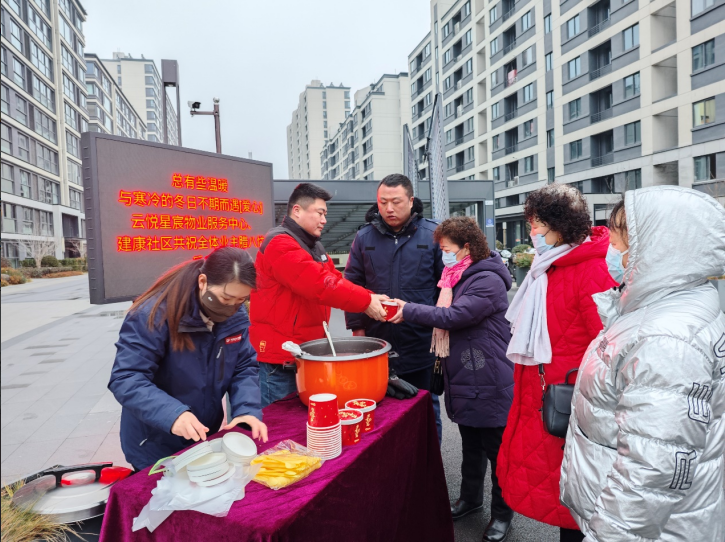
x=285, y=464
x=174, y=491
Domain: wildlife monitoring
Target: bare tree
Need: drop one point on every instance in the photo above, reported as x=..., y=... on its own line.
x=79, y=245
x=39, y=247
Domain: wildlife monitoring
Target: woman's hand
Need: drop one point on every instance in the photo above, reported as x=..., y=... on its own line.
x=398, y=318
x=189, y=427
x=259, y=429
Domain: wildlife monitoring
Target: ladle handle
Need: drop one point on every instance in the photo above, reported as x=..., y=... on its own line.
x=329, y=338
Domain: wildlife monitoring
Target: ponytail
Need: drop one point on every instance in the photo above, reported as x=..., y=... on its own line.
x=176, y=287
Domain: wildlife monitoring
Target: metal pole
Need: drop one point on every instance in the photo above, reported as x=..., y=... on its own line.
x=178, y=114
x=166, y=127
x=217, y=126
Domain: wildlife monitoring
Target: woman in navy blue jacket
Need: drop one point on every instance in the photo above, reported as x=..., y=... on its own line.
x=470, y=338
x=183, y=345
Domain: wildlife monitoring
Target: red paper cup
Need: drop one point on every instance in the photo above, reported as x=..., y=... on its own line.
x=367, y=407
x=352, y=427
x=391, y=309
x=323, y=410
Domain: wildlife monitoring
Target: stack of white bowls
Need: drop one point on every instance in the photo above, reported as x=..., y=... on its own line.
x=239, y=448
x=210, y=469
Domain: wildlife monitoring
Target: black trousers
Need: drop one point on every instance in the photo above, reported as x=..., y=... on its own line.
x=480, y=444
x=420, y=379
x=570, y=535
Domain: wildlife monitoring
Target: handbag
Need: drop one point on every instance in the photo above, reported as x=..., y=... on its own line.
x=436, y=381
x=556, y=404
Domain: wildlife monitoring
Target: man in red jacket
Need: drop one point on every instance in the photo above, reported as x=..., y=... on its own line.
x=297, y=283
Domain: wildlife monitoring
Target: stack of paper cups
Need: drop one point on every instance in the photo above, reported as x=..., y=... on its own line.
x=324, y=436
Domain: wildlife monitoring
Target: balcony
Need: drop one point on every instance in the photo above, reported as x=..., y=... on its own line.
x=511, y=148
x=510, y=47
x=511, y=115
x=603, y=160
x=596, y=29
x=508, y=13
x=600, y=116
x=599, y=72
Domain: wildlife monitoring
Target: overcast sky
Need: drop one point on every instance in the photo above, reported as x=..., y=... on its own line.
x=257, y=56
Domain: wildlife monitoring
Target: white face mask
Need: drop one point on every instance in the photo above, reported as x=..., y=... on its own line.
x=614, y=263
x=540, y=244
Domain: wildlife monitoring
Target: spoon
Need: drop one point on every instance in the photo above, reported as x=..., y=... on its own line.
x=329, y=338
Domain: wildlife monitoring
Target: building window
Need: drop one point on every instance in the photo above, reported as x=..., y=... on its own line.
x=426, y=54
x=7, y=145
x=698, y=6
x=44, y=94
x=575, y=150
x=449, y=162
x=632, y=133
x=45, y=126
x=73, y=144
x=23, y=147
x=631, y=37
x=19, y=73
x=550, y=138
x=547, y=24
x=75, y=199
x=529, y=164
x=468, y=38
x=493, y=15
x=527, y=57
x=428, y=99
x=9, y=218
x=575, y=68
x=324, y=105
x=470, y=154
x=427, y=75
x=496, y=142
x=8, y=183
x=704, y=168
x=529, y=93
x=703, y=55
x=494, y=46
x=347, y=104
x=447, y=55
x=572, y=27
x=526, y=21
x=495, y=110
x=575, y=108
x=549, y=62
x=469, y=126
x=631, y=85
x=529, y=128
x=551, y=174
x=449, y=136
x=40, y=28
x=21, y=110
x=26, y=189
x=469, y=96
x=633, y=179
x=494, y=79
x=40, y=60
x=550, y=100
x=469, y=65
x=703, y=112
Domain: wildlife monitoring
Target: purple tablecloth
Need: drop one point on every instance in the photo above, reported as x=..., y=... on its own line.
x=390, y=486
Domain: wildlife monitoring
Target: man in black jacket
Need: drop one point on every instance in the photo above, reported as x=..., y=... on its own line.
x=395, y=254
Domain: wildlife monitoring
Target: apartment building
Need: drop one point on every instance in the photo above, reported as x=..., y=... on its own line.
x=608, y=96
x=44, y=111
x=319, y=112
x=369, y=143
x=109, y=110
x=141, y=83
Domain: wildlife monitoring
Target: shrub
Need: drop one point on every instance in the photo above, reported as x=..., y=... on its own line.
x=62, y=274
x=520, y=248
x=27, y=262
x=4, y=283
x=49, y=261
x=14, y=276
x=523, y=260
x=5, y=262
x=43, y=271
x=499, y=245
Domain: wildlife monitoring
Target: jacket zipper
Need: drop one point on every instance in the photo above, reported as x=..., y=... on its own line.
x=221, y=364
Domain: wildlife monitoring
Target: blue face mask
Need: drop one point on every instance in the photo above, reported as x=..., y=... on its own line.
x=614, y=263
x=540, y=244
x=449, y=258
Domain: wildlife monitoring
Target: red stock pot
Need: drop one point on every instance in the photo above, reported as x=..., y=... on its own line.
x=360, y=369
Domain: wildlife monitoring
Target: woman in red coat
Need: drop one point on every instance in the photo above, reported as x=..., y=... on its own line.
x=553, y=320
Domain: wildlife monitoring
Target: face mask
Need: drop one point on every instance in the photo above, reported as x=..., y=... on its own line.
x=215, y=310
x=449, y=258
x=614, y=263
x=540, y=244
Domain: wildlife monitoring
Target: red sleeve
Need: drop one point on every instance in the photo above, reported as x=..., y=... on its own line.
x=294, y=268
x=594, y=278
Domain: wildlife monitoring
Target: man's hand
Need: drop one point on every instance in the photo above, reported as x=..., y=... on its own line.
x=375, y=310
x=398, y=318
x=189, y=427
x=259, y=429
x=358, y=333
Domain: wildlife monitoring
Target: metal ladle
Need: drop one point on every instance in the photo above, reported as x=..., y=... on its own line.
x=329, y=338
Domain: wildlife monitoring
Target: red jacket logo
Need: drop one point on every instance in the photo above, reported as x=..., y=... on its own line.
x=234, y=339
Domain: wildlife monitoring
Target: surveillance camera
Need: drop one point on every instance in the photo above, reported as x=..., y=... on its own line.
x=194, y=105
x=216, y=100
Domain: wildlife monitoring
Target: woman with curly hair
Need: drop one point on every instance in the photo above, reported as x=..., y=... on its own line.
x=470, y=339
x=553, y=320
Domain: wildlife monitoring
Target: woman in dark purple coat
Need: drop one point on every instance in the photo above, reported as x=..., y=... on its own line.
x=470, y=338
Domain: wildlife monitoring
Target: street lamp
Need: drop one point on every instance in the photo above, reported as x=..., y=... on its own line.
x=194, y=106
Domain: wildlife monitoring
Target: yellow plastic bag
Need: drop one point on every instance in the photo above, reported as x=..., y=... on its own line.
x=285, y=464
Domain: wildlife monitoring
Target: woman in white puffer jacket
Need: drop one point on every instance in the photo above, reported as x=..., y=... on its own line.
x=644, y=452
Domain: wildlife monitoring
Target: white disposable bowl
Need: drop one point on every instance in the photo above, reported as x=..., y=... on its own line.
x=209, y=460
x=239, y=444
x=220, y=471
x=187, y=457
x=222, y=478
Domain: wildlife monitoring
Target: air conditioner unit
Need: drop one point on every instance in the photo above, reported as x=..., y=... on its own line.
x=516, y=180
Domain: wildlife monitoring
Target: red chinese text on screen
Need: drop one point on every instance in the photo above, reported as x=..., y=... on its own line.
x=169, y=221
